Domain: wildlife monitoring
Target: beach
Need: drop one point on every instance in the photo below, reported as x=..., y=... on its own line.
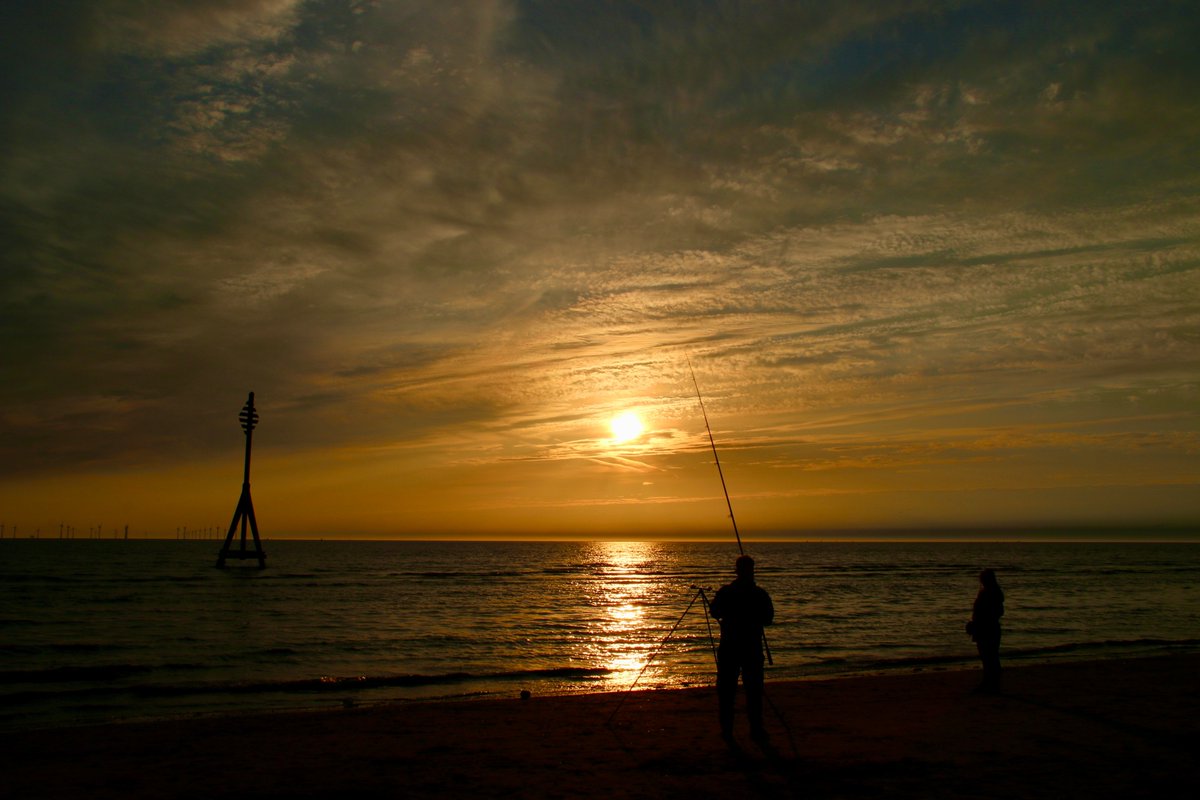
x=1102, y=728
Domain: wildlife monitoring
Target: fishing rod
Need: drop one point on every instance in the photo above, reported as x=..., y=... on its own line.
x=716, y=458
x=700, y=590
x=724, y=488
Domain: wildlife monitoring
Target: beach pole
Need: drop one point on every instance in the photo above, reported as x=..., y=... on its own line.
x=244, y=514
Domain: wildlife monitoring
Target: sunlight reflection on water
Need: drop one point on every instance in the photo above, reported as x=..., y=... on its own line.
x=616, y=638
x=636, y=609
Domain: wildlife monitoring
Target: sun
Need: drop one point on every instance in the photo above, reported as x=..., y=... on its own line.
x=626, y=426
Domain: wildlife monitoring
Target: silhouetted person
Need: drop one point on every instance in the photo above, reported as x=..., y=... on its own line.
x=743, y=608
x=985, y=629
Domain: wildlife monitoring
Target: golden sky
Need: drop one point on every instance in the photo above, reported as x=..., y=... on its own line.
x=936, y=265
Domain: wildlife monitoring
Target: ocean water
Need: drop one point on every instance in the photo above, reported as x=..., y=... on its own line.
x=94, y=631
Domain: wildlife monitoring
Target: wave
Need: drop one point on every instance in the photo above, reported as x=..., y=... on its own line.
x=87, y=674
x=1110, y=646
x=464, y=573
x=841, y=663
x=76, y=648
x=73, y=674
x=107, y=677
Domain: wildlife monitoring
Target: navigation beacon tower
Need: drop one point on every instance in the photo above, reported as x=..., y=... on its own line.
x=245, y=507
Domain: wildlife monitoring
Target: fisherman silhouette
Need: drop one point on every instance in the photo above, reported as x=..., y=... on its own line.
x=984, y=628
x=743, y=608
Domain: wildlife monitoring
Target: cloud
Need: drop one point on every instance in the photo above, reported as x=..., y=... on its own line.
x=438, y=222
x=180, y=28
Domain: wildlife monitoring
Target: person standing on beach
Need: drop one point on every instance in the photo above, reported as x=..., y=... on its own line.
x=743, y=609
x=984, y=628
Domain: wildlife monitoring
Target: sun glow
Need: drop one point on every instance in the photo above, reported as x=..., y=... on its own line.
x=626, y=426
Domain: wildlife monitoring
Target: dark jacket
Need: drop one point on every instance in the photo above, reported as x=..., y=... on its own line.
x=743, y=608
x=986, y=614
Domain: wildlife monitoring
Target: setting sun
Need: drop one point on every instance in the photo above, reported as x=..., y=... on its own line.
x=626, y=426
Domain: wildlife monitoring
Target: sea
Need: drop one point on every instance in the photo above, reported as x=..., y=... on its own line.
x=98, y=631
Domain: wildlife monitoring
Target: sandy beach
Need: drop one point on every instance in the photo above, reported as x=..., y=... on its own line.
x=1090, y=729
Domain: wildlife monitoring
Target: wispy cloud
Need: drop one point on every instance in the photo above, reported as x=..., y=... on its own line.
x=487, y=226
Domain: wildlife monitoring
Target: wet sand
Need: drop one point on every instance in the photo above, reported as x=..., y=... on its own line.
x=1121, y=728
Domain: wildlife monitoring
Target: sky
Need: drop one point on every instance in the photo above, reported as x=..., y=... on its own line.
x=935, y=265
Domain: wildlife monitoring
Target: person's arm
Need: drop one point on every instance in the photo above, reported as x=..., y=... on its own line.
x=768, y=609
x=714, y=607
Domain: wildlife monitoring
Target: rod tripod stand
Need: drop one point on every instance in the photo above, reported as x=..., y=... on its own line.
x=702, y=594
x=699, y=595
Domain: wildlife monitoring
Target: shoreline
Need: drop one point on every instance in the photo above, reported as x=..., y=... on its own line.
x=331, y=695
x=1104, y=728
